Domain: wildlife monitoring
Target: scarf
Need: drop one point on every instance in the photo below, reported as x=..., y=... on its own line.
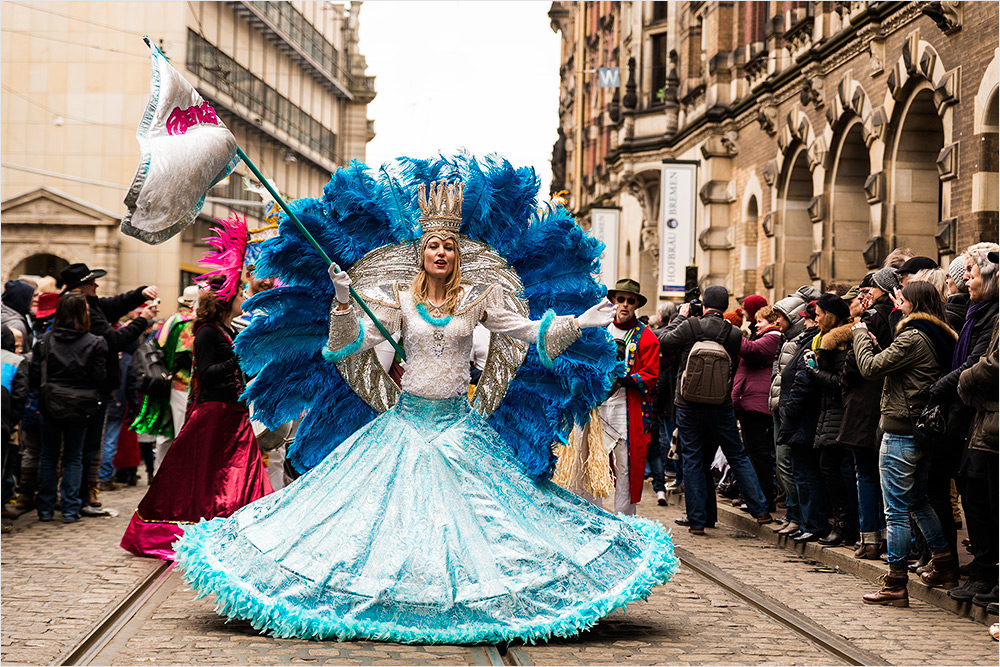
x=964, y=343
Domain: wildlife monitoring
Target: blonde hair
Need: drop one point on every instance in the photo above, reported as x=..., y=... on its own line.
x=897, y=258
x=936, y=277
x=452, y=287
x=46, y=285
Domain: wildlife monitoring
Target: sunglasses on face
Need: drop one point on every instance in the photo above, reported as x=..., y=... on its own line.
x=630, y=300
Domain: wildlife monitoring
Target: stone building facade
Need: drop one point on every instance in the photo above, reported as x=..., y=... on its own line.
x=825, y=134
x=286, y=77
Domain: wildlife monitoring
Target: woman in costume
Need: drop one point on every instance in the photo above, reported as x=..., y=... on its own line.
x=213, y=467
x=426, y=525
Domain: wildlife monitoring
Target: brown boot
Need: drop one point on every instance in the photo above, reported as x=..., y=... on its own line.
x=943, y=570
x=92, y=497
x=870, y=548
x=893, y=591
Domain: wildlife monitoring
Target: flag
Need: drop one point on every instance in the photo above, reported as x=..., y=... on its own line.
x=184, y=150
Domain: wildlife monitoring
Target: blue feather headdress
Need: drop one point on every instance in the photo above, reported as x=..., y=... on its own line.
x=363, y=209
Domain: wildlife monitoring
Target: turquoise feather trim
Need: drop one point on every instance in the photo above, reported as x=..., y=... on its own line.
x=543, y=331
x=274, y=615
x=333, y=356
x=433, y=321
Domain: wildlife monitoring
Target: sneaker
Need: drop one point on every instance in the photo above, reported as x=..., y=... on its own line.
x=70, y=519
x=661, y=498
x=970, y=589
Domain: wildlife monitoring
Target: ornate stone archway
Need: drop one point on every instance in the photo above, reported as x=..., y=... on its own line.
x=72, y=229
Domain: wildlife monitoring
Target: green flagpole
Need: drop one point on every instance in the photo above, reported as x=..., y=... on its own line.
x=309, y=237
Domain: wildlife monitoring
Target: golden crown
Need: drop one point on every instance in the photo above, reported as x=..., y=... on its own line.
x=441, y=208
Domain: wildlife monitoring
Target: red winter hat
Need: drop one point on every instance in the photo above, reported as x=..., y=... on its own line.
x=753, y=303
x=810, y=311
x=735, y=317
x=46, y=304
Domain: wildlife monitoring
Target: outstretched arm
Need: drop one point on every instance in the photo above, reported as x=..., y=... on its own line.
x=552, y=334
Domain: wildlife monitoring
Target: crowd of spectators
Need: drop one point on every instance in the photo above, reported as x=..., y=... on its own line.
x=868, y=412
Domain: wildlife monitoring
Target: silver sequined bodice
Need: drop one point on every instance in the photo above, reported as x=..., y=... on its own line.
x=437, y=363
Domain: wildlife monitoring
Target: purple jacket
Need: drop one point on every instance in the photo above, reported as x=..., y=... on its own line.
x=752, y=384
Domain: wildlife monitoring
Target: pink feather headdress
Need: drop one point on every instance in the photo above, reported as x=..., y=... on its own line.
x=230, y=243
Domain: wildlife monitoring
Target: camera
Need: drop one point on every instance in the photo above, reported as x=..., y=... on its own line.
x=620, y=344
x=693, y=298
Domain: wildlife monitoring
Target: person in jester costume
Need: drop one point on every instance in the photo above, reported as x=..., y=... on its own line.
x=423, y=516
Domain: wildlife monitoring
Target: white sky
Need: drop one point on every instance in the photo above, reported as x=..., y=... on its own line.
x=477, y=75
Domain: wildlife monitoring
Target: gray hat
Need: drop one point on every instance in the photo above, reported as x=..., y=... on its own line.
x=957, y=271
x=886, y=280
x=716, y=297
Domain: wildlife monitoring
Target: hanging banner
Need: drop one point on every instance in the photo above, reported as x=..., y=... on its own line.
x=678, y=200
x=604, y=228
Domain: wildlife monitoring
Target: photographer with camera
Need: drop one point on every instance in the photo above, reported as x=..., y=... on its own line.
x=710, y=348
x=628, y=408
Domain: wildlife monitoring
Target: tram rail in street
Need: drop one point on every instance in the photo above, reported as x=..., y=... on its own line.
x=805, y=627
x=146, y=592
x=110, y=633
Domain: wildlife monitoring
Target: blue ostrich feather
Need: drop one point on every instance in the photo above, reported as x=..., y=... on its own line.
x=362, y=209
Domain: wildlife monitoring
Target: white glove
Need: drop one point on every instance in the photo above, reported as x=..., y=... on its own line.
x=600, y=315
x=341, y=283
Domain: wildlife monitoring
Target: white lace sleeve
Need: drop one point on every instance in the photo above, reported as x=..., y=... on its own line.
x=353, y=331
x=551, y=335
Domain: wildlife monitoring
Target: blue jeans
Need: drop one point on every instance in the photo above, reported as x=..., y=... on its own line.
x=111, y=431
x=871, y=517
x=70, y=440
x=904, y=469
x=700, y=430
x=783, y=470
x=814, y=505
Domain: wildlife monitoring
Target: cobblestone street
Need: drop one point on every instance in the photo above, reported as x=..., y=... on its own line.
x=60, y=580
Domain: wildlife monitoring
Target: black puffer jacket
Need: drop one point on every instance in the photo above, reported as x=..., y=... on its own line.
x=76, y=359
x=105, y=311
x=830, y=359
x=799, y=403
x=861, y=397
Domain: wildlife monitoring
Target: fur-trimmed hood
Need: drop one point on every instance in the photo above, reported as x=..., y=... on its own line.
x=941, y=335
x=911, y=319
x=838, y=337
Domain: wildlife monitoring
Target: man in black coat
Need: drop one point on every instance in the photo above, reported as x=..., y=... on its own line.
x=104, y=311
x=702, y=427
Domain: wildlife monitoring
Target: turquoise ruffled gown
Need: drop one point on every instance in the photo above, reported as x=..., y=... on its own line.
x=423, y=526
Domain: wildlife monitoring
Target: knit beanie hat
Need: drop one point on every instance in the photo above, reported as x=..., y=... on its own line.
x=17, y=295
x=957, y=271
x=734, y=317
x=886, y=280
x=832, y=303
x=753, y=303
x=716, y=297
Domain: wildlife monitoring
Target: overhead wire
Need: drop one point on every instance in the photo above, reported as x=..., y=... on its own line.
x=85, y=121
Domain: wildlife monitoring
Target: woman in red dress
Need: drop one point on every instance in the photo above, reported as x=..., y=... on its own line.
x=214, y=466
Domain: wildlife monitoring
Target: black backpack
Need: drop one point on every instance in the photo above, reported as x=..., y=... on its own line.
x=151, y=372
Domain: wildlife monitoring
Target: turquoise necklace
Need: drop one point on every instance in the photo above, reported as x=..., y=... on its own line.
x=430, y=319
